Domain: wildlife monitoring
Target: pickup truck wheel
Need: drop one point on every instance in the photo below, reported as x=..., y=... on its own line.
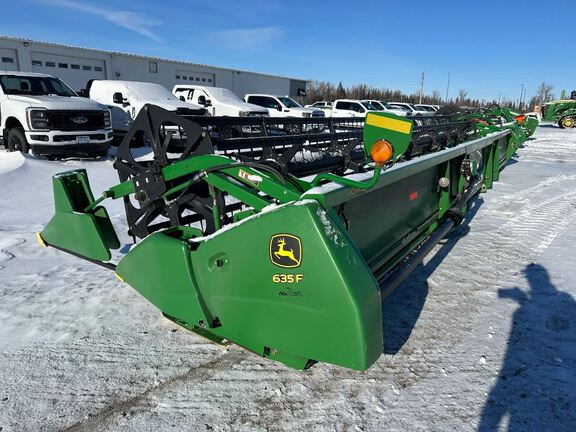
x=17, y=140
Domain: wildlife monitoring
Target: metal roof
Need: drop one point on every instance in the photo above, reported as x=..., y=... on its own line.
x=18, y=39
x=26, y=74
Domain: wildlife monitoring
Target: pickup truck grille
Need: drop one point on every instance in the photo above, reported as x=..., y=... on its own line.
x=76, y=120
x=191, y=111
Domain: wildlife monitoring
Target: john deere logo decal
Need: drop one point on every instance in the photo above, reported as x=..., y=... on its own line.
x=285, y=250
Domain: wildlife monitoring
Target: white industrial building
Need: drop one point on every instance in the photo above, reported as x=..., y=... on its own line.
x=76, y=66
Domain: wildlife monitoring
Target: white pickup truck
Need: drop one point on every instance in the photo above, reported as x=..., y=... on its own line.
x=126, y=98
x=282, y=106
x=383, y=106
x=41, y=113
x=351, y=108
x=218, y=101
x=409, y=108
x=323, y=105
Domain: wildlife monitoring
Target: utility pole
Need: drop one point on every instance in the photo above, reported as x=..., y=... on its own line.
x=521, y=94
x=524, y=97
x=448, y=87
x=421, y=88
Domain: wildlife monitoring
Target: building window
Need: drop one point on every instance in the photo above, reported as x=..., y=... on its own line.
x=184, y=77
x=209, y=80
x=203, y=79
x=197, y=79
x=177, y=76
x=36, y=63
x=98, y=69
x=50, y=64
x=153, y=67
x=86, y=67
x=73, y=66
x=7, y=60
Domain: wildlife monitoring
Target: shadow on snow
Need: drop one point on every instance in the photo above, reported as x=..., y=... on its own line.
x=536, y=386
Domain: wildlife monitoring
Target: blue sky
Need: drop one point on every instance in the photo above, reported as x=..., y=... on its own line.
x=489, y=47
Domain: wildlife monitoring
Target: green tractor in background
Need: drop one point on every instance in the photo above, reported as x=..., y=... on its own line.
x=562, y=112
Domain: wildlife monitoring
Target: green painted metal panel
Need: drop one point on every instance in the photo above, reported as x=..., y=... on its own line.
x=390, y=127
x=160, y=269
x=328, y=308
x=87, y=234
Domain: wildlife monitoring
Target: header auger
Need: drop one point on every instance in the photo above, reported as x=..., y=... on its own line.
x=281, y=236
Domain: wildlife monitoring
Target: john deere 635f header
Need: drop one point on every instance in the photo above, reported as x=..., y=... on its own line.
x=282, y=235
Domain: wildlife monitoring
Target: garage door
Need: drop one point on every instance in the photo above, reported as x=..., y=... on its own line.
x=8, y=60
x=191, y=77
x=74, y=71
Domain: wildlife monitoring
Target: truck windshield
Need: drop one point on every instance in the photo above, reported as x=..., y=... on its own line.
x=224, y=95
x=34, y=86
x=289, y=103
x=402, y=107
x=149, y=91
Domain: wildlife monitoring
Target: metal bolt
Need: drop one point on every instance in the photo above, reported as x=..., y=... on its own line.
x=141, y=196
x=204, y=134
x=274, y=352
x=443, y=182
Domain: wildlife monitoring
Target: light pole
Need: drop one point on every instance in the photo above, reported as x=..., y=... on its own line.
x=421, y=88
x=520, y=100
x=448, y=87
x=524, y=97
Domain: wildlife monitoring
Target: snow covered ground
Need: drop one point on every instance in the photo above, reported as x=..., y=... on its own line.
x=481, y=335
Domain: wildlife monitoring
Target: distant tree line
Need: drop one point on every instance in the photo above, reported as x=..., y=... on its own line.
x=327, y=91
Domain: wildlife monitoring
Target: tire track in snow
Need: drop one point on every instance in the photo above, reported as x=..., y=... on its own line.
x=106, y=417
x=5, y=254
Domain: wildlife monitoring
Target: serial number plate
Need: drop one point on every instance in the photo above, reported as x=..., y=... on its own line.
x=82, y=139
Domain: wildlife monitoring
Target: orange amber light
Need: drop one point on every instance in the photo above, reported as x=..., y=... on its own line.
x=520, y=119
x=381, y=152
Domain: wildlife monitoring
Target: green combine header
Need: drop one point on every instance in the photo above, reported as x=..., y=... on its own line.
x=283, y=235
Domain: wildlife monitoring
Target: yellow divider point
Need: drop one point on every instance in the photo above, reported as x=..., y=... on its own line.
x=40, y=240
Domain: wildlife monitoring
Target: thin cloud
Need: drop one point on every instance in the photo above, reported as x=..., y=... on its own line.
x=247, y=38
x=134, y=21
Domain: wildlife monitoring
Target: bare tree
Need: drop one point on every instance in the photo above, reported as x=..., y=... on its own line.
x=544, y=92
x=326, y=91
x=340, y=92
